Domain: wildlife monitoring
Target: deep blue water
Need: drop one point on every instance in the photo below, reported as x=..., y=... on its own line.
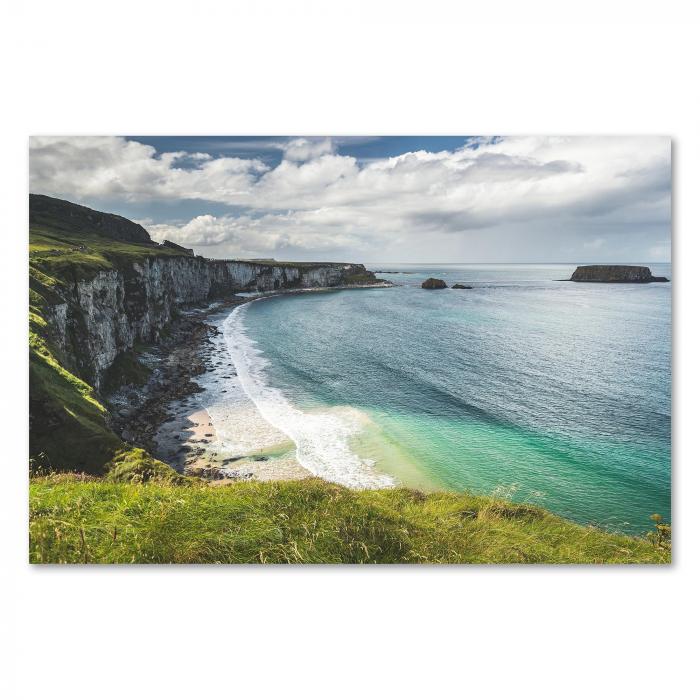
x=552, y=392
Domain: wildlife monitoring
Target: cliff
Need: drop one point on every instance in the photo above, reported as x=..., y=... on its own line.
x=615, y=273
x=99, y=285
x=96, y=318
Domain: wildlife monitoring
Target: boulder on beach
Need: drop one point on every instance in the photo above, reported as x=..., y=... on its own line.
x=461, y=286
x=638, y=274
x=434, y=283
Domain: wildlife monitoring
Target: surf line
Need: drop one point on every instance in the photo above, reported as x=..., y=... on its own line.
x=321, y=438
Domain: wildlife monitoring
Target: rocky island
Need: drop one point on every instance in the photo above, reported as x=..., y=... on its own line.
x=637, y=274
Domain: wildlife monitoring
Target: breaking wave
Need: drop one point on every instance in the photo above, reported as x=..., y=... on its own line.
x=322, y=438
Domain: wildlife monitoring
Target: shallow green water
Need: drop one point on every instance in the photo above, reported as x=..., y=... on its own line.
x=552, y=392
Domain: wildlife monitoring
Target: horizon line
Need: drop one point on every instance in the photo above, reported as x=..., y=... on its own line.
x=539, y=262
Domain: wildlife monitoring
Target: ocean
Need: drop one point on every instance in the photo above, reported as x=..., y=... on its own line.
x=525, y=387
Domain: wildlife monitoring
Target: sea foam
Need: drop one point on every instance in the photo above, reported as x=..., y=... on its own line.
x=321, y=437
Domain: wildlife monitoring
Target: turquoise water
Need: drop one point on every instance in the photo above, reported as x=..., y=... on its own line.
x=551, y=392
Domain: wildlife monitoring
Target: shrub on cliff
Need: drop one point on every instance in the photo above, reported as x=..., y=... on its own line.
x=136, y=466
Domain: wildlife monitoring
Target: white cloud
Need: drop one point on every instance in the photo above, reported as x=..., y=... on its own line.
x=316, y=199
x=246, y=236
x=112, y=166
x=306, y=149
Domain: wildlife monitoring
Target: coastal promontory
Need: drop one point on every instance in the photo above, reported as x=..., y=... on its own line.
x=615, y=273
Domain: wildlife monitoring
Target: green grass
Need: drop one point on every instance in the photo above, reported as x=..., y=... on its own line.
x=360, y=278
x=136, y=466
x=70, y=257
x=84, y=519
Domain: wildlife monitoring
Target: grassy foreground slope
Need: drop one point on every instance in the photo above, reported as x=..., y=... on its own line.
x=83, y=520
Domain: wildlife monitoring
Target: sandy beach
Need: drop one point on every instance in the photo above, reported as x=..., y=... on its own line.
x=167, y=416
x=190, y=443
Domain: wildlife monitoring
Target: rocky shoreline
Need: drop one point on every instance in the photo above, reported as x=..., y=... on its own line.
x=163, y=415
x=140, y=412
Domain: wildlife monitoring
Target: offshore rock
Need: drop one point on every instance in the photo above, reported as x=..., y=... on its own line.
x=434, y=283
x=615, y=273
x=461, y=286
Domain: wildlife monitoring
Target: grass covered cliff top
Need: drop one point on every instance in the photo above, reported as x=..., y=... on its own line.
x=69, y=257
x=67, y=239
x=72, y=242
x=75, y=519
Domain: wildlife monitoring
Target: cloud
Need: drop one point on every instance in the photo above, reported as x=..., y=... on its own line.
x=316, y=199
x=306, y=149
x=113, y=167
x=247, y=236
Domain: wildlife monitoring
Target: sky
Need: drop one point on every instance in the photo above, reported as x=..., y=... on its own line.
x=420, y=199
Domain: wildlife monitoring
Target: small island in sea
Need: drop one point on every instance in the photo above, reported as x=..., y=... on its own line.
x=639, y=274
x=217, y=376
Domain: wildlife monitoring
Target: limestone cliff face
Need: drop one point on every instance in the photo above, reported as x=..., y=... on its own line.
x=99, y=318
